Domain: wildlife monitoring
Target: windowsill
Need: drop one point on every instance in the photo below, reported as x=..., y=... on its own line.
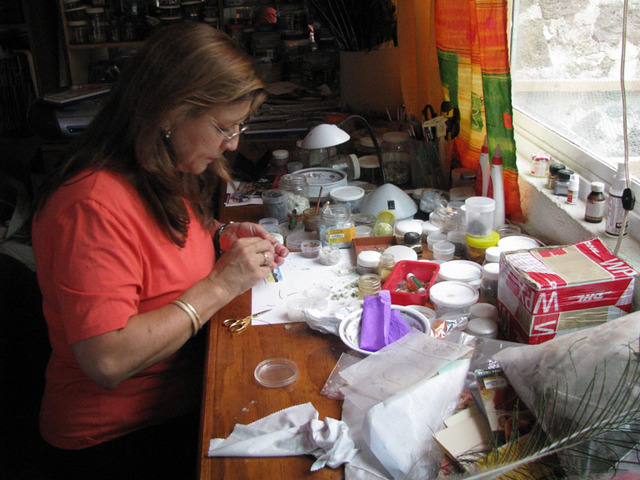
x=555, y=222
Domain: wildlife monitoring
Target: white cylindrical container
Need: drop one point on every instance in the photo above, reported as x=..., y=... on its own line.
x=367, y=262
x=483, y=310
x=492, y=255
x=405, y=226
x=452, y=298
x=463, y=271
x=573, y=189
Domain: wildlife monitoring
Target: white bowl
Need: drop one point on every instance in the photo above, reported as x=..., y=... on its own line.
x=349, y=329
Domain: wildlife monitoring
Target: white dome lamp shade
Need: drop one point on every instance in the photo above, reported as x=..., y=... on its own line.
x=324, y=135
x=389, y=197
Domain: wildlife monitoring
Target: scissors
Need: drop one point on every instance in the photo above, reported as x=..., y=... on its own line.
x=239, y=325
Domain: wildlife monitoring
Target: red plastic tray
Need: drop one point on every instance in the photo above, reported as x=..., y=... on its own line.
x=426, y=272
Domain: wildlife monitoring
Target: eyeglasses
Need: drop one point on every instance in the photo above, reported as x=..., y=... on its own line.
x=225, y=132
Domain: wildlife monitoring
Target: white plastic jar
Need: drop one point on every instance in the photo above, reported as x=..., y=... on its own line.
x=452, y=298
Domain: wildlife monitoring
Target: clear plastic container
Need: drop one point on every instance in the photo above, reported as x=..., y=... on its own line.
x=479, y=212
x=78, y=32
x=452, y=298
x=274, y=203
x=329, y=255
x=349, y=164
x=336, y=228
x=297, y=188
x=458, y=238
x=443, y=251
x=370, y=169
x=271, y=224
x=396, y=158
x=434, y=238
x=310, y=248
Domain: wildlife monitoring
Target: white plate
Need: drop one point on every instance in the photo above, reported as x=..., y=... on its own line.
x=327, y=178
x=349, y=329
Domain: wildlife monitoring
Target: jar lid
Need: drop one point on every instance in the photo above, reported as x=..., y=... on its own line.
x=77, y=23
x=491, y=271
x=280, y=154
x=346, y=194
x=517, y=242
x=490, y=240
x=405, y=226
x=363, y=218
x=492, y=254
x=395, y=137
x=456, y=236
x=480, y=204
x=597, y=187
x=460, y=271
x=95, y=10
x=483, y=327
x=368, y=258
x=76, y=9
x=369, y=161
x=565, y=174
x=555, y=167
x=453, y=294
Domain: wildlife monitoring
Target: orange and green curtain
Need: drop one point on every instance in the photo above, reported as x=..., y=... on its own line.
x=473, y=54
x=463, y=43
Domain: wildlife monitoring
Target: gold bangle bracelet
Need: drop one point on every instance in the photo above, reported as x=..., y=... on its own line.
x=191, y=312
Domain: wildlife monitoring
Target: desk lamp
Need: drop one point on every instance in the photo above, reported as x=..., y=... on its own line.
x=386, y=197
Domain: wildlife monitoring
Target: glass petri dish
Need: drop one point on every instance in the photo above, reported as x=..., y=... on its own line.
x=276, y=372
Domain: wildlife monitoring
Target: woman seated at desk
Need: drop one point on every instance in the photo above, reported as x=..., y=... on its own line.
x=126, y=263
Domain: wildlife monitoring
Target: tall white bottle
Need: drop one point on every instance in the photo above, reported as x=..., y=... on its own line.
x=614, y=212
x=497, y=183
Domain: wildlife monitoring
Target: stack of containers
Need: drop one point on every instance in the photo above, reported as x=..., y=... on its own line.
x=479, y=220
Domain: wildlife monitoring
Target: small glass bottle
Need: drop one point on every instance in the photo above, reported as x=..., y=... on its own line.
x=385, y=266
x=561, y=187
x=554, y=168
x=97, y=25
x=367, y=262
x=279, y=159
x=489, y=285
x=594, y=210
x=336, y=227
x=368, y=284
x=412, y=240
x=573, y=189
x=297, y=189
x=540, y=164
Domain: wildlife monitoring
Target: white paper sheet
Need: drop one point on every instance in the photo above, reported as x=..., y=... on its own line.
x=299, y=275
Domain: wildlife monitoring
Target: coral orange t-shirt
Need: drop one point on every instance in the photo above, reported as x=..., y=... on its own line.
x=101, y=258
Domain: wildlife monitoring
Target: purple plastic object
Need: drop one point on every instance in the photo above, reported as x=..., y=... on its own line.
x=380, y=325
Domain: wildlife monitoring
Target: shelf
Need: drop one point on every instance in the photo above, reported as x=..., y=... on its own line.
x=93, y=46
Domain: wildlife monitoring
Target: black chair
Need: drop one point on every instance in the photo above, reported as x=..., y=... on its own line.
x=24, y=352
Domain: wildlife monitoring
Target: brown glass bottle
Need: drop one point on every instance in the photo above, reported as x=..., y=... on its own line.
x=594, y=210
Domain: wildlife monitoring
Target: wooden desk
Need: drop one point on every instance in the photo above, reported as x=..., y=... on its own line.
x=232, y=395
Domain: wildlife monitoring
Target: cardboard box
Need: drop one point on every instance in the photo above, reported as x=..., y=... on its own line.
x=548, y=291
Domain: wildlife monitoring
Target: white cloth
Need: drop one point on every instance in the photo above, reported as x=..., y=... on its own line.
x=293, y=431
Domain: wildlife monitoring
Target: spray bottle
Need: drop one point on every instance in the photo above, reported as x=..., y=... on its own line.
x=614, y=212
x=497, y=184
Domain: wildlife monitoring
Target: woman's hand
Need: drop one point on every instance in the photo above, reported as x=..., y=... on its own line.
x=235, y=231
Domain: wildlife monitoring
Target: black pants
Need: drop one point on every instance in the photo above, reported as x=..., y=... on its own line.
x=166, y=451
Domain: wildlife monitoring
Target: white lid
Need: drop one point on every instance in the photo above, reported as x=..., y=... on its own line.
x=347, y=193
x=457, y=235
x=460, y=270
x=483, y=327
x=492, y=254
x=369, y=258
x=402, y=252
x=395, y=137
x=278, y=237
x=453, y=294
x=279, y=154
x=517, y=242
x=483, y=310
x=597, y=186
x=480, y=204
x=363, y=231
x=369, y=161
x=429, y=228
x=366, y=141
x=404, y=226
x=491, y=271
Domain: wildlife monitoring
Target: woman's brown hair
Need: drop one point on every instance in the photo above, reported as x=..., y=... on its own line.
x=188, y=68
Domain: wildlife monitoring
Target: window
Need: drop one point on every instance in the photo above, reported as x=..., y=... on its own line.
x=565, y=65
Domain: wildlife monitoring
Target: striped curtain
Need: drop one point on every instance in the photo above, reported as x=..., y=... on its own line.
x=473, y=60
